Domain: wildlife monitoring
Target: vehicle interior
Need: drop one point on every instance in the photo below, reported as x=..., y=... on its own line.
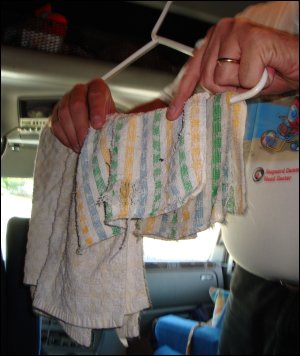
x=35, y=74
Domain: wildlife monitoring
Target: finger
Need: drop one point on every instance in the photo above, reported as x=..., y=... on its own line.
x=79, y=111
x=218, y=77
x=276, y=85
x=271, y=75
x=56, y=128
x=100, y=102
x=59, y=133
x=66, y=122
x=275, y=49
x=189, y=81
x=209, y=62
x=254, y=57
x=187, y=85
x=227, y=74
x=226, y=77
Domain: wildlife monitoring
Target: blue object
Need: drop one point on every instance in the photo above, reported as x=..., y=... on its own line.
x=166, y=350
x=205, y=341
x=172, y=333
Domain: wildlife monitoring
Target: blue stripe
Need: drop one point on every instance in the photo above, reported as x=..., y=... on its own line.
x=198, y=216
x=99, y=181
x=163, y=224
x=143, y=186
x=177, y=128
x=89, y=196
x=225, y=182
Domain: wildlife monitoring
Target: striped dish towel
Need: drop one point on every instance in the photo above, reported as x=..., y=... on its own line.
x=174, y=178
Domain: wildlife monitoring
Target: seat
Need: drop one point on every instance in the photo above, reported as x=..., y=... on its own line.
x=23, y=327
x=3, y=309
x=176, y=335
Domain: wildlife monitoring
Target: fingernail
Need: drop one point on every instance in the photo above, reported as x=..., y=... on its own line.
x=271, y=71
x=96, y=121
x=171, y=112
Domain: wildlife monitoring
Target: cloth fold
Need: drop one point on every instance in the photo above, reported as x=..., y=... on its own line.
x=139, y=175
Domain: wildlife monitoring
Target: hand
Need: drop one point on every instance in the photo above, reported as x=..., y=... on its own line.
x=255, y=47
x=85, y=104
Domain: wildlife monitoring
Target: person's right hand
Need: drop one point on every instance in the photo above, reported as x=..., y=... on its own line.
x=84, y=106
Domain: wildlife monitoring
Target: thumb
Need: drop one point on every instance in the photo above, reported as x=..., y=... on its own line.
x=189, y=81
x=100, y=102
x=186, y=88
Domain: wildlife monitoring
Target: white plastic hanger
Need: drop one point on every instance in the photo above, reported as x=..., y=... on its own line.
x=252, y=92
x=156, y=39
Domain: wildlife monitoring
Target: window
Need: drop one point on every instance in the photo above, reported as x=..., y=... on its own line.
x=16, y=196
x=191, y=250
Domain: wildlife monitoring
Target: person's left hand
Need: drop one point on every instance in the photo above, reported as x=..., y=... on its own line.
x=253, y=48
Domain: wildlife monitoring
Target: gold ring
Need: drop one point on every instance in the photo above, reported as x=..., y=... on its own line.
x=228, y=60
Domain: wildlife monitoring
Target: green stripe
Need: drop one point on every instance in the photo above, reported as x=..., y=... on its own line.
x=113, y=170
x=174, y=226
x=96, y=169
x=184, y=172
x=114, y=152
x=216, y=145
x=156, y=162
x=100, y=181
x=230, y=206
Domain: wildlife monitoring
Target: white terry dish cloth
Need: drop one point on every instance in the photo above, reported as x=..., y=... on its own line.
x=83, y=291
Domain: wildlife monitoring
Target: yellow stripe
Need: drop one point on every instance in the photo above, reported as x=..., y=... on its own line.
x=149, y=225
x=125, y=187
x=79, y=202
x=235, y=110
x=185, y=219
x=104, y=150
x=83, y=220
x=170, y=142
x=169, y=133
x=85, y=229
x=89, y=241
x=195, y=138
